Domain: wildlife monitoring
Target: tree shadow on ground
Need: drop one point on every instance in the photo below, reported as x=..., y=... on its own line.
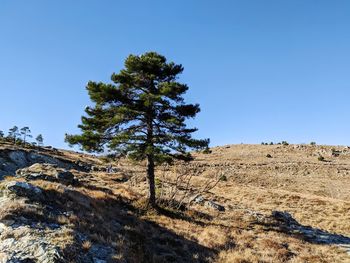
x=283, y=222
x=93, y=187
x=115, y=228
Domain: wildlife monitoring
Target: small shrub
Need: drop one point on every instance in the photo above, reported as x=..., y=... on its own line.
x=335, y=153
x=223, y=178
x=312, y=143
x=86, y=245
x=321, y=158
x=104, y=159
x=271, y=143
x=285, y=143
x=207, y=151
x=269, y=155
x=19, y=142
x=158, y=185
x=157, y=182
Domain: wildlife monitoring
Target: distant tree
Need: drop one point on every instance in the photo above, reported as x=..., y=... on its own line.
x=40, y=140
x=143, y=114
x=25, y=131
x=312, y=143
x=19, y=141
x=2, y=134
x=14, y=133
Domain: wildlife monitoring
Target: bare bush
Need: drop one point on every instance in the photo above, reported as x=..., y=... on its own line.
x=175, y=188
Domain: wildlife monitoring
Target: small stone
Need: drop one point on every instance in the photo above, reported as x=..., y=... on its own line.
x=215, y=206
x=199, y=199
x=65, y=176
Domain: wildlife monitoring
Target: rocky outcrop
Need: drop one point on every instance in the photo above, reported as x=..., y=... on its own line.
x=29, y=225
x=199, y=199
x=22, y=189
x=27, y=244
x=23, y=239
x=12, y=160
x=215, y=206
x=47, y=172
x=285, y=222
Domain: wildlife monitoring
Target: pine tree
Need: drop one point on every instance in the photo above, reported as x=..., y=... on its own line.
x=2, y=134
x=142, y=114
x=14, y=133
x=25, y=131
x=40, y=140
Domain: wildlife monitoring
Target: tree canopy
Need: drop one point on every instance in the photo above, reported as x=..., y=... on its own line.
x=141, y=114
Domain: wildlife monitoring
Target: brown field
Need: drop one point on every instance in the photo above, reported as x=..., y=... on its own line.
x=315, y=193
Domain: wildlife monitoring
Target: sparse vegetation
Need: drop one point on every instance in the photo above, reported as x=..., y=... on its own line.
x=25, y=132
x=321, y=158
x=40, y=140
x=223, y=178
x=109, y=213
x=13, y=134
x=207, y=151
x=335, y=153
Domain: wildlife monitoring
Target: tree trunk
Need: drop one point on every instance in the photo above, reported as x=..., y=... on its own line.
x=150, y=177
x=150, y=154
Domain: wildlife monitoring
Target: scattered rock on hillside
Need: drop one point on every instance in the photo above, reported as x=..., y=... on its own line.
x=12, y=160
x=198, y=199
x=46, y=172
x=37, y=168
x=30, y=245
x=23, y=189
x=215, y=206
x=65, y=177
x=287, y=223
x=283, y=217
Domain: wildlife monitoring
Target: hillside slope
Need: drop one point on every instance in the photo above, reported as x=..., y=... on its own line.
x=233, y=205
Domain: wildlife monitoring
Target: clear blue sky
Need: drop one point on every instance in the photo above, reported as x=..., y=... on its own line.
x=261, y=70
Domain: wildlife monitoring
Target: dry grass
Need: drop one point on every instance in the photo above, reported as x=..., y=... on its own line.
x=110, y=212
